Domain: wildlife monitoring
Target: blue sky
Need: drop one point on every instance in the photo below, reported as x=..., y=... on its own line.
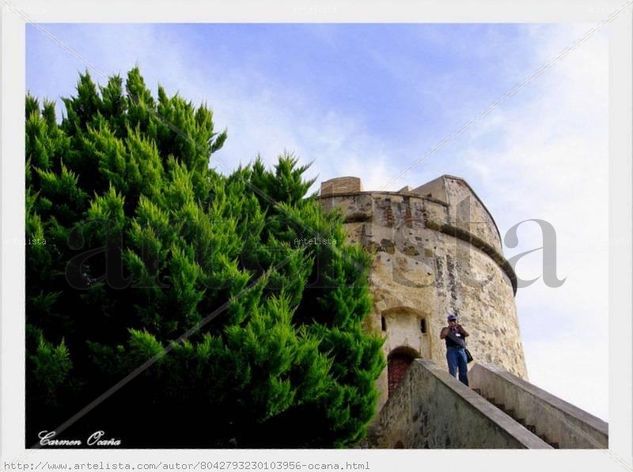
x=372, y=100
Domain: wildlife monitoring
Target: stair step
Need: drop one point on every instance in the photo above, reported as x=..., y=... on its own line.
x=511, y=413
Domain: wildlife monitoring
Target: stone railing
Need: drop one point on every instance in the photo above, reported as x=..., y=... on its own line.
x=552, y=418
x=431, y=409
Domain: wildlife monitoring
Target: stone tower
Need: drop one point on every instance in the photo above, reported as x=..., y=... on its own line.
x=437, y=249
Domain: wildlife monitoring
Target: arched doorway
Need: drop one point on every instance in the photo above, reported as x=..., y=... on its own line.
x=398, y=363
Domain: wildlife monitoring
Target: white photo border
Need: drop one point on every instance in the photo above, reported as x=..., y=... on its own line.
x=16, y=13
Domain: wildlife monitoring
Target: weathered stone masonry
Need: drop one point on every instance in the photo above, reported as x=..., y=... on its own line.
x=437, y=249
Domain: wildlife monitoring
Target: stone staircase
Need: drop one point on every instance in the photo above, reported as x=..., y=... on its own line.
x=432, y=410
x=511, y=413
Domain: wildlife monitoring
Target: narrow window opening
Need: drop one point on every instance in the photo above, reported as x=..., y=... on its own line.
x=423, y=325
x=383, y=323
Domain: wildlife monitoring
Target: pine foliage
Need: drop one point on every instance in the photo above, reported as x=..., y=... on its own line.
x=237, y=294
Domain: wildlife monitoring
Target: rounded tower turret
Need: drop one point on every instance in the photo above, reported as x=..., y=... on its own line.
x=436, y=250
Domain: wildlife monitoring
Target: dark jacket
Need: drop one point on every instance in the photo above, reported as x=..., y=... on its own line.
x=455, y=338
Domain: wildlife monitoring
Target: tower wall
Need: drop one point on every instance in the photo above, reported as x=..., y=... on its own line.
x=436, y=249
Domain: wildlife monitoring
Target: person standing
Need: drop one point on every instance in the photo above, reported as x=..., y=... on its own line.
x=455, y=336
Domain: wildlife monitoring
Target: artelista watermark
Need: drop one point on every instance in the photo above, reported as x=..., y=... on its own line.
x=549, y=260
x=461, y=252
x=89, y=263
x=314, y=241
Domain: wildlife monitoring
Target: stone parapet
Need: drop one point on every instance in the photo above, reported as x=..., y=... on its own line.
x=341, y=185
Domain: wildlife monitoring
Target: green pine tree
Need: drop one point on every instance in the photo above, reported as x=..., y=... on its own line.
x=239, y=293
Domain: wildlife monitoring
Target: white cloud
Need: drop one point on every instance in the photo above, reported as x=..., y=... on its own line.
x=553, y=165
x=576, y=373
